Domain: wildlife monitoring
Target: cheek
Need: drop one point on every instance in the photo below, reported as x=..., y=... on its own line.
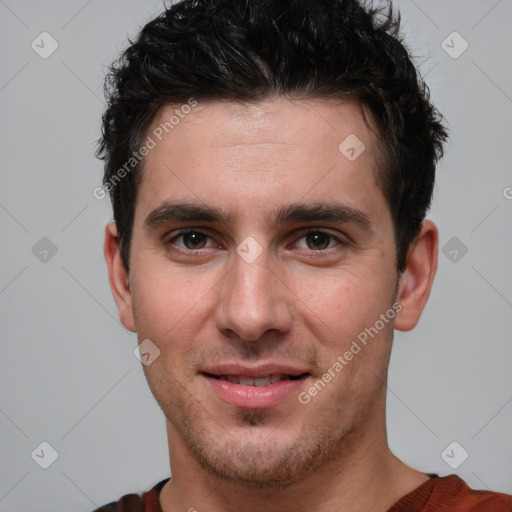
x=164, y=302
x=344, y=302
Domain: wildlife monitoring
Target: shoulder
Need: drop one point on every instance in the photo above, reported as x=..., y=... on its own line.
x=462, y=498
x=451, y=493
x=128, y=503
x=147, y=502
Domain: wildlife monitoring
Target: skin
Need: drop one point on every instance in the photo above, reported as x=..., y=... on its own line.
x=303, y=301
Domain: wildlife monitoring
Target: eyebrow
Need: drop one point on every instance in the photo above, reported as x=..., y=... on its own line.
x=185, y=211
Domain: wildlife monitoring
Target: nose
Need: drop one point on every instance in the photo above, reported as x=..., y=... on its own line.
x=253, y=299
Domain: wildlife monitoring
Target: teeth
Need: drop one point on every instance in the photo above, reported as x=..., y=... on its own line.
x=254, y=381
x=262, y=381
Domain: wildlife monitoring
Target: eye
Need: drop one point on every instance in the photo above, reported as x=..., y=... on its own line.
x=314, y=240
x=191, y=240
x=320, y=240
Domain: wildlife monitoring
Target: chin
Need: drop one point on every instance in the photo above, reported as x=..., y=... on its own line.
x=262, y=456
x=261, y=448
x=258, y=465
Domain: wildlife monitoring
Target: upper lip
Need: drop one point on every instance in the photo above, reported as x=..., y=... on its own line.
x=261, y=370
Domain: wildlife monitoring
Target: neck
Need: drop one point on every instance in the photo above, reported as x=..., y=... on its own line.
x=369, y=478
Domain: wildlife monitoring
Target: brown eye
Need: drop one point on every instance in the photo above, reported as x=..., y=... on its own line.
x=318, y=240
x=194, y=240
x=191, y=240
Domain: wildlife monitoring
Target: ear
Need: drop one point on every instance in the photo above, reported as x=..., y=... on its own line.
x=417, y=278
x=118, y=277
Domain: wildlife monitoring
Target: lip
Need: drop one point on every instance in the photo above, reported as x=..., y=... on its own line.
x=255, y=371
x=254, y=397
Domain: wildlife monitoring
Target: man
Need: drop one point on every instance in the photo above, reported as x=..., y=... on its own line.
x=270, y=165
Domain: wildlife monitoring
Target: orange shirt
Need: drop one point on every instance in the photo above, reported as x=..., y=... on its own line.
x=443, y=494
x=451, y=493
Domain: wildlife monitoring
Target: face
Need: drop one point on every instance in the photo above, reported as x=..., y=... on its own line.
x=261, y=256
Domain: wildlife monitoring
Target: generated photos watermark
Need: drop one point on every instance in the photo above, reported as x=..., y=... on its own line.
x=343, y=360
x=138, y=155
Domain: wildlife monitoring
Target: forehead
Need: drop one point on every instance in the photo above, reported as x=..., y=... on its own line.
x=248, y=155
x=277, y=120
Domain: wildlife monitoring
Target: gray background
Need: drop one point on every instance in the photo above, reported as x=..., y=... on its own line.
x=68, y=374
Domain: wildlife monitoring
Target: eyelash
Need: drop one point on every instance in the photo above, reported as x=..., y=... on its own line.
x=192, y=252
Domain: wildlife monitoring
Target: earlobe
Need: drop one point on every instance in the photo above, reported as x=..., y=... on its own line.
x=118, y=277
x=417, y=278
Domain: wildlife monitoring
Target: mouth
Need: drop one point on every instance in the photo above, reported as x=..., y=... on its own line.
x=264, y=380
x=255, y=389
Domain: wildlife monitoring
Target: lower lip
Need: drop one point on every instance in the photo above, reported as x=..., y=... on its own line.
x=254, y=397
